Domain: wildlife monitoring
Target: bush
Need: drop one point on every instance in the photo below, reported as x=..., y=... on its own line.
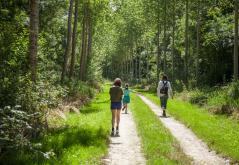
x=17, y=127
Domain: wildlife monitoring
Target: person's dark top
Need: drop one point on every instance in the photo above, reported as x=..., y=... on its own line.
x=116, y=94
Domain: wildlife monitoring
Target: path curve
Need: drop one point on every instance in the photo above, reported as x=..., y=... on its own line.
x=190, y=144
x=126, y=149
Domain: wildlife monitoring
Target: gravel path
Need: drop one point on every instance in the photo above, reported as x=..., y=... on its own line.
x=126, y=149
x=191, y=145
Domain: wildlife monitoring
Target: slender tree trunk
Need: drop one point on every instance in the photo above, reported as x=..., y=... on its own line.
x=33, y=37
x=139, y=64
x=186, y=46
x=74, y=40
x=147, y=63
x=236, y=41
x=164, y=36
x=158, y=46
x=83, y=49
x=198, y=39
x=68, y=44
x=173, y=42
x=89, y=39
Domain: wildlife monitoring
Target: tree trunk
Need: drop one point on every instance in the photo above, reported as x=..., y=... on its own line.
x=173, y=40
x=236, y=42
x=74, y=40
x=89, y=39
x=198, y=39
x=147, y=63
x=68, y=44
x=83, y=50
x=186, y=47
x=158, y=46
x=164, y=36
x=33, y=37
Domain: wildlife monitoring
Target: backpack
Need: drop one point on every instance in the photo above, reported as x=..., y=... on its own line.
x=164, y=89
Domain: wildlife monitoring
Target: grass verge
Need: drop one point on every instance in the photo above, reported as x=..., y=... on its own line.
x=82, y=138
x=219, y=132
x=158, y=144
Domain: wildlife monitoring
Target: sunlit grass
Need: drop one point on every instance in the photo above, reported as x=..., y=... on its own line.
x=219, y=132
x=82, y=139
x=158, y=144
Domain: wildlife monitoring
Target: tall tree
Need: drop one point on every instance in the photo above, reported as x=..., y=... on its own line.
x=33, y=37
x=165, y=36
x=198, y=26
x=74, y=40
x=173, y=39
x=186, y=45
x=68, y=42
x=236, y=41
x=158, y=44
x=83, y=58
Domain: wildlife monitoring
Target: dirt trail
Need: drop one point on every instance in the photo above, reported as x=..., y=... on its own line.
x=191, y=145
x=126, y=149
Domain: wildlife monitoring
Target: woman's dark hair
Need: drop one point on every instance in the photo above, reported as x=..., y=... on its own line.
x=165, y=78
x=126, y=86
x=117, y=82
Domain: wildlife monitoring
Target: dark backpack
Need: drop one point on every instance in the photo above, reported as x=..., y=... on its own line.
x=164, y=89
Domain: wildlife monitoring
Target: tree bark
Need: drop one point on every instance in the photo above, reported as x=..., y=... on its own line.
x=173, y=40
x=236, y=41
x=33, y=37
x=186, y=47
x=158, y=46
x=83, y=50
x=68, y=44
x=74, y=40
x=198, y=39
x=164, y=36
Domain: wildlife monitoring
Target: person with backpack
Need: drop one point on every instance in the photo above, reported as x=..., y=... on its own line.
x=116, y=94
x=126, y=98
x=164, y=91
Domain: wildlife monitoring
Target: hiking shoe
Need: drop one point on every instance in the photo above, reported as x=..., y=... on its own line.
x=112, y=133
x=164, y=113
x=117, y=133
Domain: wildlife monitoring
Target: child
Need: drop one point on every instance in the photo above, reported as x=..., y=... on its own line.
x=126, y=98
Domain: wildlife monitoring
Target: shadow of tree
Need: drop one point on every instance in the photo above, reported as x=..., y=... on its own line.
x=58, y=141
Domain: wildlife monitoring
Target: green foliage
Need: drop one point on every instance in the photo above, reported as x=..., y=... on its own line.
x=17, y=127
x=81, y=139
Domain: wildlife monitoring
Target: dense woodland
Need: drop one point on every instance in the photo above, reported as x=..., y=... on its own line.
x=51, y=50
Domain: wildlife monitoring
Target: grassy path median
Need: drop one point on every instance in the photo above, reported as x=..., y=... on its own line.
x=158, y=144
x=219, y=132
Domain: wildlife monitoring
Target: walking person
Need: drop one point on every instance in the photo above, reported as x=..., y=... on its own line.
x=164, y=91
x=126, y=98
x=116, y=94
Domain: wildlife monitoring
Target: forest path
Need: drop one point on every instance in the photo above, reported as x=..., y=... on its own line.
x=190, y=144
x=126, y=149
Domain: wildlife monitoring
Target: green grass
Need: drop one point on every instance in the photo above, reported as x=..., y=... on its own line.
x=219, y=132
x=82, y=139
x=158, y=144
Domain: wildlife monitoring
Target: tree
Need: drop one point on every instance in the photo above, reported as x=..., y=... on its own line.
x=186, y=45
x=198, y=38
x=83, y=58
x=74, y=40
x=173, y=39
x=165, y=36
x=236, y=41
x=68, y=42
x=33, y=37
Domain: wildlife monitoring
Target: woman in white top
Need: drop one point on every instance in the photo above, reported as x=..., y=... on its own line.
x=164, y=91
